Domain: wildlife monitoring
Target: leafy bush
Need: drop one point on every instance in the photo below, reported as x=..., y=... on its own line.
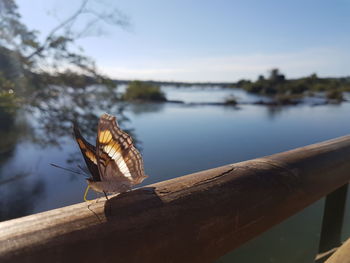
x=335, y=95
x=286, y=91
x=142, y=91
x=231, y=100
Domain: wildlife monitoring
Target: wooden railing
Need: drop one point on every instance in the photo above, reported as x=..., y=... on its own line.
x=194, y=218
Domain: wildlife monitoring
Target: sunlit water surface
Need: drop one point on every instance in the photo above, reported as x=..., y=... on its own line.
x=178, y=139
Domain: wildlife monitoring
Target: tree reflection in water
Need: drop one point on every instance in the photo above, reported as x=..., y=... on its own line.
x=57, y=107
x=18, y=191
x=47, y=122
x=144, y=107
x=18, y=195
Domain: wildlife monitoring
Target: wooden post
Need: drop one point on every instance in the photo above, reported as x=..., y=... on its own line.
x=194, y=218
x=333, y=217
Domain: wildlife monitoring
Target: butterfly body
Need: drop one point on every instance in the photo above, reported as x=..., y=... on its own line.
x=110, y=186
x=115, y=164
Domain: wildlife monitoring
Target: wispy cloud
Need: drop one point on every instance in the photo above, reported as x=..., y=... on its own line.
x=323, y=61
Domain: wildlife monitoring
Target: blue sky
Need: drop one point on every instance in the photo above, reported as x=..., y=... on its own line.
x=222, y=40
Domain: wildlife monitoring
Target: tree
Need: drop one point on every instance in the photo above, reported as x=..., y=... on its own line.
x=58, y=46
x=143, y=91
x=14, y=35
x=276, y=76
x=30, y=67
x=261, y=78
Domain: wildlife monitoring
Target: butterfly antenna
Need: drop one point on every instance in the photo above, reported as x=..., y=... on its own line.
x=82, y=169
x=67, y=169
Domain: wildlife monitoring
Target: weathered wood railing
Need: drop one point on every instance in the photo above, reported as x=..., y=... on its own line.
x=194, y=218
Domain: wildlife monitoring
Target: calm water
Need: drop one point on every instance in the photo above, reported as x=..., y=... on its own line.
x=177, y=139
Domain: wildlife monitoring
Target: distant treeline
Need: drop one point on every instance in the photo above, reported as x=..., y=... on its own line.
x=177, y=83
x=275, y=84
x=285, y=90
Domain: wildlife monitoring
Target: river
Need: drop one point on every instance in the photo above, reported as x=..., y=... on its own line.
x=178, y=139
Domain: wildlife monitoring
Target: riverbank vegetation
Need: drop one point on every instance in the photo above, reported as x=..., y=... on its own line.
x=276, y=86
x=231, y=100
x=143, y=91
x=288, y=91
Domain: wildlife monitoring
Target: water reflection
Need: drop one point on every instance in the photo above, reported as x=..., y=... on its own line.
x=59, y=107
x=144, y=108
x=32, y=130
x=55, y=110
x=9, y=134
x=177, y=139
x=18, y=195
x=274, y=111
x=18, y=191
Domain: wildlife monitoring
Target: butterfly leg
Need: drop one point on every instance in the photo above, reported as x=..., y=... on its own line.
x=105, y=195
x=110, y=206
x=86, y=192
x=88, y=207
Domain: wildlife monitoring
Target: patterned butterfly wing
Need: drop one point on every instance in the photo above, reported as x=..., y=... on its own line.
x=117, y=157
x=89, y=154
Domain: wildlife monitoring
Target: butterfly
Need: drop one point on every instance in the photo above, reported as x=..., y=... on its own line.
x=115, y=164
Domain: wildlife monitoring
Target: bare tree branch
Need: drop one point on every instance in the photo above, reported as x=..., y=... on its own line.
x=49, y=37
x=114, y=17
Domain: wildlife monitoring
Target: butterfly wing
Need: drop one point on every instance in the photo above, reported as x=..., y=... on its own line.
x=89, y=154
x=117, y=157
